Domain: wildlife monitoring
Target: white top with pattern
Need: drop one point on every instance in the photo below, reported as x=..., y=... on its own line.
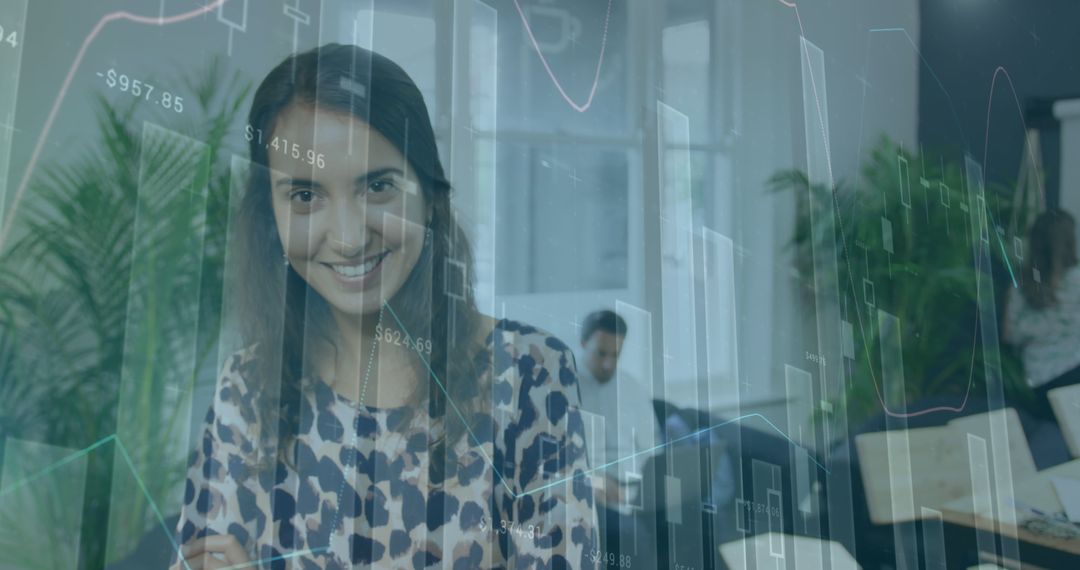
x=1048, y=338
x=359, y=493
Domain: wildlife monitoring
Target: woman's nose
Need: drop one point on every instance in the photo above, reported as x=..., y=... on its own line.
x=349, y=235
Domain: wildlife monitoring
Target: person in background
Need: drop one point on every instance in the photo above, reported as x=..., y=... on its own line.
x=630, y=427
x=1042, y=318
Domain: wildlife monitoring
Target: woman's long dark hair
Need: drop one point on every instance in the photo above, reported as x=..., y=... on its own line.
x=1051, y=252
x=280, y=310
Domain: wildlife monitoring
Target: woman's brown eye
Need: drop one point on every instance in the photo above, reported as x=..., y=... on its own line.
x=380, y=186
x=304, y=195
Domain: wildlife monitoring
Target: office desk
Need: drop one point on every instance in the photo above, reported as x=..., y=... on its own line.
x=1056, y=542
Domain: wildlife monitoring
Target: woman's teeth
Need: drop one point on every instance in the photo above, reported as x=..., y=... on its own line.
x=358, y=270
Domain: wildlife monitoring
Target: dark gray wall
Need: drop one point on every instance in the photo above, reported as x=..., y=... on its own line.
x=963, y=42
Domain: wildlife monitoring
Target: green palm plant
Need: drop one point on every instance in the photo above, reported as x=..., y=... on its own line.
x=927, y=280
x=77, y=305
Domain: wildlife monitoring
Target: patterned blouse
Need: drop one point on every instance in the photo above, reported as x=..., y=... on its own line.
x=359, y=491
x=1049, y=338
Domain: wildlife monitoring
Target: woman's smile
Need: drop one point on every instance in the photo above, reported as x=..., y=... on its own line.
x=359, y=274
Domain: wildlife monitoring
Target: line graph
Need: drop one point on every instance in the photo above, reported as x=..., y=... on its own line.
x=161, y=20
x=843, y=234
x=8, y=221
x=999, y=71
x=579, y=107
x=495, y=470
x=146, y=493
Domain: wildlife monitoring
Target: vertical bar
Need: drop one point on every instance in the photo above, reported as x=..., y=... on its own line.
x=635, y=367
x=12, y=26
x=724, y=473
x=721, y=325
x=904, y=174
x=800, y=428
x=829, y=320
x=229, y=341
x=596, y=448
x=41, y=500
x=933, y=539
x=480, y=199
x=981, y=494
x=363, y=25
x=635, y=364
x=340, y=436
x=417, y=324
x=160, y=355
x=233, y=294
x=673, y=503
x=896, y=439
x=677, y=281
x=800, y=422
x=676, y=242
x=768, y=512
x=995, y=390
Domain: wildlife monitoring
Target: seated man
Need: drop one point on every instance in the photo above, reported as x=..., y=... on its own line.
x=629, y=426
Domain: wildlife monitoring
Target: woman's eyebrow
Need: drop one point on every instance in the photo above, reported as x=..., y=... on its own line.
x=290, y=181
x=378, y=173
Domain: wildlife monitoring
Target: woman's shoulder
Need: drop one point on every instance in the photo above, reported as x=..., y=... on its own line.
x=533, y=353
x=527, y=338
x=237, y=366
x=233, y=390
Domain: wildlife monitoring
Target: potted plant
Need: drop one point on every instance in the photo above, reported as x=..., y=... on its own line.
x=68, y=287
x=903, y=237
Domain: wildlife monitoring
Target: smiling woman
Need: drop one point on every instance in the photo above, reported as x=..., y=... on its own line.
x=376, y=416
x=347, y=234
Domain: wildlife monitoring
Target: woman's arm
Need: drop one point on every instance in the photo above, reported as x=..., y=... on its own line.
x=550, y=517
x=1020, y=326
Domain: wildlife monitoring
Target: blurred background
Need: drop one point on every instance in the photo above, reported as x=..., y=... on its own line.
x=810, y=216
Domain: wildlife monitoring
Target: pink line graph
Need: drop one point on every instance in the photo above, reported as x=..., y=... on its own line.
x=839, y=218
x=579, y=107
x=990, y=105
x=974, y=340
x=112, y=17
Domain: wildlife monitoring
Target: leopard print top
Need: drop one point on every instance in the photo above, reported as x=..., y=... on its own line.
x=358, y=491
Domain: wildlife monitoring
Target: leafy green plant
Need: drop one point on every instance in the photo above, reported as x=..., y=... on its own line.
x=909, y=254
x=70, y=283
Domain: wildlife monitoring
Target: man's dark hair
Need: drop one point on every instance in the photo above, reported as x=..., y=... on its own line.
x=606, y=321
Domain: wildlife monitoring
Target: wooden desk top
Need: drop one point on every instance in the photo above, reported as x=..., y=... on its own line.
x=939, y=470
x=1034, y=491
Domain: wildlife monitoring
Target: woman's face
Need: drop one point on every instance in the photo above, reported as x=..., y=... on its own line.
x=352, y=224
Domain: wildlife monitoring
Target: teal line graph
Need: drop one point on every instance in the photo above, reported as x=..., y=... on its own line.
x=142, y=486
x=502, y=480
x=1005, y=256
x=1004, y=253
x=169, y=532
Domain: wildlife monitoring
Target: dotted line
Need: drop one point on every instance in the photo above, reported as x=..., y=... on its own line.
x=356, y=428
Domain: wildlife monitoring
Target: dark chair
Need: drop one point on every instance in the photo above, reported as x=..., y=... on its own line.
x=761, y=499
